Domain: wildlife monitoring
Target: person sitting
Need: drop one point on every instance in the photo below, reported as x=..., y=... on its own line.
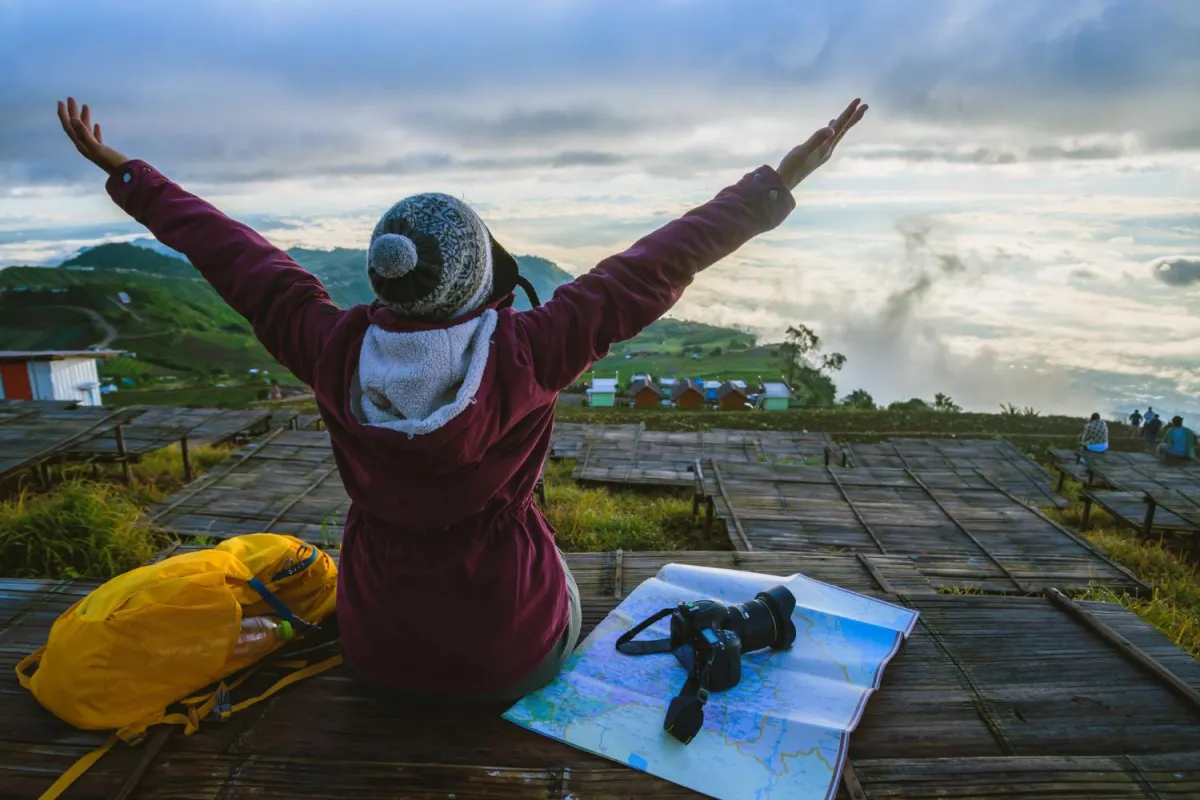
x=1179, y=442
x=1095, y=435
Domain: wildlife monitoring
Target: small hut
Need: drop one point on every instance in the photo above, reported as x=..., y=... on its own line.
x=602, y=393
x=688, y=395
x=52, y=375
x=644, y=394
x=731, y=396
x=775, y=397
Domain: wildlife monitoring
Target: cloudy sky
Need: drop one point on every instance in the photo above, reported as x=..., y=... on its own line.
x=1016, y=220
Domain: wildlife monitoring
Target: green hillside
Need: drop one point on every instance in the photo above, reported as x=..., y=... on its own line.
x=176, y=325
x=130, y=257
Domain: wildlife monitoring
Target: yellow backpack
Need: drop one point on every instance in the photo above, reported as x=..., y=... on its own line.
x=153, y=638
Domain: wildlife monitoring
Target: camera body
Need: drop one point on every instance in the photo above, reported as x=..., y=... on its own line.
x=708, y=638
x=701, y=638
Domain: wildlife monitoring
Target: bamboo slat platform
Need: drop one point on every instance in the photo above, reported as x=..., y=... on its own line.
x=14, y=409
x=1126, y=472
x=157, y=427
x=286, y=482
x=945, y=520
x=1036, y=698
x=31, y=439
x=999, y=460
x=569, y=436
x=1164, y=511
x=778, y=447
x=655, y=458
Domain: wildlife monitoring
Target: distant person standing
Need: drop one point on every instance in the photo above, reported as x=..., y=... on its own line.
x=1151, y=427
x=1095, y=435
x=1135, y=421
x=1179, y=442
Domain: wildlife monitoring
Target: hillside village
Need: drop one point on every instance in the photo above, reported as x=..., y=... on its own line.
x=669, y=391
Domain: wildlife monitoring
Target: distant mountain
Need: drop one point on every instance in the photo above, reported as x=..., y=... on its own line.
x=150, y=243
x=119, y=255
x=344, y=272
x=545, y=275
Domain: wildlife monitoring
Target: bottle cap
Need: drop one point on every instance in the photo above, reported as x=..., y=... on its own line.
x=285, y=630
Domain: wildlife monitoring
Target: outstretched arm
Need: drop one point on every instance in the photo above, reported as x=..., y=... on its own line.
x=626, y=292
x=288, y=308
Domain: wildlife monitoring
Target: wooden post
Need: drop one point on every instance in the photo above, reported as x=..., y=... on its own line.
x=1148, y=522
x=187, y=458
x=1087, y=512
x=1062, y=478
x=123, y=454
x=294, y=423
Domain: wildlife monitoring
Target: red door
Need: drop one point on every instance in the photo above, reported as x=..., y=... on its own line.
x=15, y=380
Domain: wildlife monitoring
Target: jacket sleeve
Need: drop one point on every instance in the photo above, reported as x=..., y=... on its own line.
x=626, y=292
x=288, y=307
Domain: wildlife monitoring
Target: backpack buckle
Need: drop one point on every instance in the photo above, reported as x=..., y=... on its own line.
x=222, y=703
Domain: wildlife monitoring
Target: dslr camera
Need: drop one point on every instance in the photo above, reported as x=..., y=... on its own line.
x=708, y=638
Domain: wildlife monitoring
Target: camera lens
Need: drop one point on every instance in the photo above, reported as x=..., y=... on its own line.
x=765, y=621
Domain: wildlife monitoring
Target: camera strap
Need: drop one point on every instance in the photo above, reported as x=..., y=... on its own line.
x=626, y=645
x=685, y=714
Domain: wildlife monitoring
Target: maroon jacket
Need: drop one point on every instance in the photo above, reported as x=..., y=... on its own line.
x=449, y=579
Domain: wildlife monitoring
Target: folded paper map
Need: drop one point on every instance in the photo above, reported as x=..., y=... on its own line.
x=783, y=731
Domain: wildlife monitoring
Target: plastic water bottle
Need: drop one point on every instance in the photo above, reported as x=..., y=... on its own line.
x=259, y=637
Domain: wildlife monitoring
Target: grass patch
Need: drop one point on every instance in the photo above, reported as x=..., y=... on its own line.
x=597, y=520
x=84, y=529
x=1173, y=608
x=160, y=473
x=91, y=525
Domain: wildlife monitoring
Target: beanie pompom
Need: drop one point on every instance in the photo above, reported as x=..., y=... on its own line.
x=392, y=255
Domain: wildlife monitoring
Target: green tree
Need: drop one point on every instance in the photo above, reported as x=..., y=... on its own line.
x=944, y=402
x=915, y=404
x=807, y=369
x=859, y=399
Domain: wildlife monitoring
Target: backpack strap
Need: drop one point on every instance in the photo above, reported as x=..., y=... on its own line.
x=215, y=702
x=280, y=608
x=26, y=665
x=76, y=770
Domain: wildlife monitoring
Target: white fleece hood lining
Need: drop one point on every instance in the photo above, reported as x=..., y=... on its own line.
x=406, y=381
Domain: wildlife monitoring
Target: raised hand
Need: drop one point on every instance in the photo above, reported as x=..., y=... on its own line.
x=87, y=137
x=804, y=159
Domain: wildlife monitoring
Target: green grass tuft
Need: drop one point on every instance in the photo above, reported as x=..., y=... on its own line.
x=84, y=529
x=1173, y=608
x=597, y=520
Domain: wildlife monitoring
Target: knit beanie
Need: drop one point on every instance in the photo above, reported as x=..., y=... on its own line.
x=431, y=258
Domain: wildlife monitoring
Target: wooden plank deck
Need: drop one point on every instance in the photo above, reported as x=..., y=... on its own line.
x=779, y=447
x=1127, y=472
x=157, y=427
x=286, y=482
x=655, y=458
x=569, y=436
x=995, y=696
x=999, y=460
x=945, y=520
x=30, y=439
